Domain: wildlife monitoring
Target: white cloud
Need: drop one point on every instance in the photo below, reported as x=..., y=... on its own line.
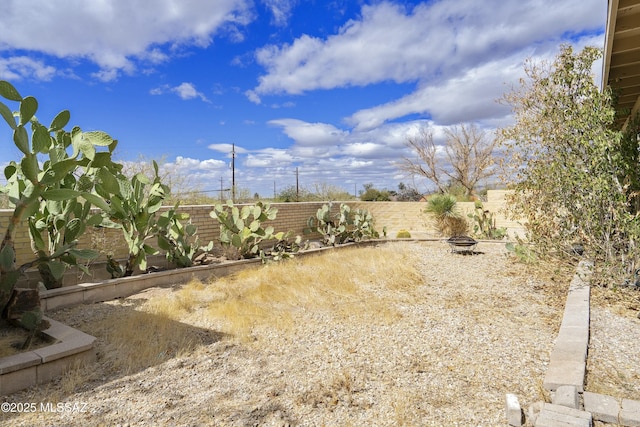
x=200, y=173
x=310, y=134
x=471, y=96
x=269, y=158
x=280, y=9
x=184, y=90
x=188, y=91
x=117, y=33
x=367, y=150
x=226, y=148
x=392, y=43
x=253, y=97
x=189, y=164
x=107, y=74
x=458, y=53
x=20, y=67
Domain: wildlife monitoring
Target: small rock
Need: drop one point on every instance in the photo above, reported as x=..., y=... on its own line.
x=514, y=411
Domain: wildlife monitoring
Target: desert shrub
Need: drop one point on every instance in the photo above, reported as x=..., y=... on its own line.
x=521, y=251
x=372, y=194
x=446, y=218
x=403, y=234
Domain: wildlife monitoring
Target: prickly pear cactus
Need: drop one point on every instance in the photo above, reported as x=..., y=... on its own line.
x=56, y=170
x=242, y=229
x=178, y=237
x=345, y=226
x=134, y=210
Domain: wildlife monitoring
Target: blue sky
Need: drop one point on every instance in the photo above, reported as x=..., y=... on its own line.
x=332, y=87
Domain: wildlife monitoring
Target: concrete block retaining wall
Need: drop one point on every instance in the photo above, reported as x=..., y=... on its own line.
x=23, y=370
x=572, y=405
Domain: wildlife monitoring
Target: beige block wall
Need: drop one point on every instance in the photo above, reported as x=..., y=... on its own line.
x=397, y=216
x=410, y=216
x=291, y=216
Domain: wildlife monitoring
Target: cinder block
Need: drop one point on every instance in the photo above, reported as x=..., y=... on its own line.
x=567, y=395
x=18, y=361
x=561, y=416
x=58, y=331
x=562, y=372
x=569, y=352
x=630, y=413
x=578, y=335
x=579, y=291
x=603, y=408
x=52, y=302
x=50, y=370
x=576, y=316
x=75, y=344
x=134, y=287
x=18, y=380
x=513, y=410
x=97, y=293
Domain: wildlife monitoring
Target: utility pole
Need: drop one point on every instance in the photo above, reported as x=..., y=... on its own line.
x=274, y=190
x=222, y=190
x=297, y=186
x=233, y=173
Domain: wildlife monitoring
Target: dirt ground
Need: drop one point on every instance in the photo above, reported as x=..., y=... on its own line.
x=416, y=336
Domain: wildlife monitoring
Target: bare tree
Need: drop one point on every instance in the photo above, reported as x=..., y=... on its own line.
x=426, y=162
x=466, y=158
x=183, y=188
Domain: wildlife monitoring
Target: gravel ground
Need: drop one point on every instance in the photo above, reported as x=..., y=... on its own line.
x=442, y=352
x=613, y=366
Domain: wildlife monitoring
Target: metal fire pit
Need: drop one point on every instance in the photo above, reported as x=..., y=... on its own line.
x=462, y=244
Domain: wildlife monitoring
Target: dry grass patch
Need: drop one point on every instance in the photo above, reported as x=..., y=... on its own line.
x=140, y=339
x=276, y=295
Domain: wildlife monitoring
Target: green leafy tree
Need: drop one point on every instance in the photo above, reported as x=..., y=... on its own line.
x=630, y=152
x=565, y=164
x=328, y=192
x=371, y=194
x=318, y=192
x=293, y=194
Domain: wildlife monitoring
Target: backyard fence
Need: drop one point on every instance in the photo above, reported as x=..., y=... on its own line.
x=393, y=216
